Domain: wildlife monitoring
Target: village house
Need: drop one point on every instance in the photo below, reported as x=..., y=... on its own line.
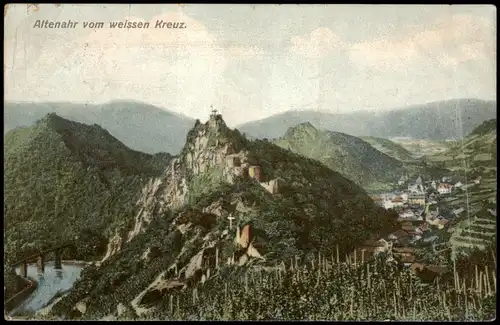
x=394, y=203
x=458, y=184
x=438, y=269
x=416, y=199
x=255, y=173
x=444, y=188
x=418, y=233
x=378, y=200
x=428, y=273
x=407, y=260
x=403, y=251
x=446, y=179
x=407, y=214
x=403, y=241
x=389, y=196
x=430, y=239
x=407, y=226
x=419, y=214
x=375, y=246
x=434, y=184
x=477, y=180
x=422, y=229
x=432, y=215
x=414, y=233
x=399, y=237
x=403, y=179
x=442, y=223
x=415, y=188
x=458, y=211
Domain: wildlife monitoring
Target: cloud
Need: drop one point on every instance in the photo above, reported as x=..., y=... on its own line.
x=317, y=44
x=452, y=40
x=242, y=52
x=180, y=69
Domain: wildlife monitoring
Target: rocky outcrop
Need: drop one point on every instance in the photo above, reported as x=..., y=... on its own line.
x=194, y=265
x=153, y=292
x=81, y=306
x=253, y=252
x=114, y=246
x=151, y=253
x=210, y=145
x=273, y=186
x=196, y=218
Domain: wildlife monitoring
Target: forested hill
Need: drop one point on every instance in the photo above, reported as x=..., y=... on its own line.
x=353, y=157
x=138, y=125
x=66, y=180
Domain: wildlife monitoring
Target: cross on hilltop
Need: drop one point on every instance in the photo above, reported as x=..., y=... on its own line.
x=231, y=218
x=214, y=111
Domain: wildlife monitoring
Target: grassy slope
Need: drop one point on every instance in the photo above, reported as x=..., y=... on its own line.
x=477, y=150
x=389, y=147
x=422, y=147
x=476, y=231
x=351, y=156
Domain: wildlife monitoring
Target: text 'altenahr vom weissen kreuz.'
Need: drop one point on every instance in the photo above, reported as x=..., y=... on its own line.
x=112, y=24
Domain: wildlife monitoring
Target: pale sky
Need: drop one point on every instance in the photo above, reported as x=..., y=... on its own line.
x=253, y=61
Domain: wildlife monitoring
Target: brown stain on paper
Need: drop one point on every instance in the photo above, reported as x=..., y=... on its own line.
x=5, y=8
x=33, y=7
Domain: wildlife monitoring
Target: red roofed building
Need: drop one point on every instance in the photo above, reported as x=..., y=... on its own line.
x=444, y=188
x=398, y=235
x=397, y=199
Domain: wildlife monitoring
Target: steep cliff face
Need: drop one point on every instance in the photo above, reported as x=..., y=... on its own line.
x=209, y=147
x=215, y=155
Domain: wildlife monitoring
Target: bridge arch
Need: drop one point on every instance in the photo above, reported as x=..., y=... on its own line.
x=53, y=253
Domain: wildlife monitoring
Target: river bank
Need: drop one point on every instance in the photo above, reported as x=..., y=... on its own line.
x=51, y=283
x=21, y=296
x=76, y=262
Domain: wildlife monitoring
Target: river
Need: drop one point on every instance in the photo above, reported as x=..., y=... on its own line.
x=49, y=284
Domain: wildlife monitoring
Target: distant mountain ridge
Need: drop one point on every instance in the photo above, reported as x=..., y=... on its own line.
x=152, y=129
x=139, y=126
x=435, y=120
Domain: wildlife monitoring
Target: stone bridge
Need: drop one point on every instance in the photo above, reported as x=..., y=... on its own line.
x=41, y=257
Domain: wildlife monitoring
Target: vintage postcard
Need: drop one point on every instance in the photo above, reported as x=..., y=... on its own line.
x=250, y=162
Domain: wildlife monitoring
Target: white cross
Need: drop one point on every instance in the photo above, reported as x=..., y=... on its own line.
x=231, y=218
